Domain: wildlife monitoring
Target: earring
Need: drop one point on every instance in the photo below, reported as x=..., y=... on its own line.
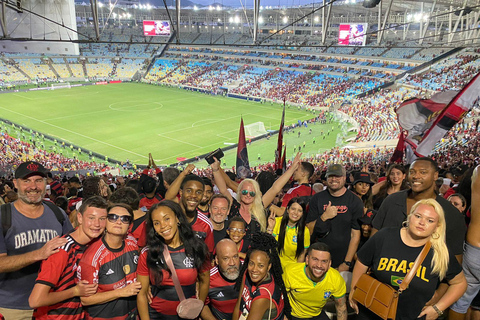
x=435, y=235
x=405, y=224
x=178, y=224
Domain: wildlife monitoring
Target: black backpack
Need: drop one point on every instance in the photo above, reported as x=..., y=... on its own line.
x=6, y=211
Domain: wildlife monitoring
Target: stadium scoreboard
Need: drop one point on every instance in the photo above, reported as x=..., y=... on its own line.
x=156, y=28
x=352, y=34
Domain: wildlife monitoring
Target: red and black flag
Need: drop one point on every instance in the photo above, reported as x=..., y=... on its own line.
x=428, y=120
x=243, y=167
x=278, y=152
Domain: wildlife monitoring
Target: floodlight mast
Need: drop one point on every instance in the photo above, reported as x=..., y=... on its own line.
x=256, y=14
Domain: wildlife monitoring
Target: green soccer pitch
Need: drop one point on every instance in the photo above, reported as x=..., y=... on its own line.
x=129, y=120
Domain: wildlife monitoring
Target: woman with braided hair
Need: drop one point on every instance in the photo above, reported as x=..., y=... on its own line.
x=262, y=291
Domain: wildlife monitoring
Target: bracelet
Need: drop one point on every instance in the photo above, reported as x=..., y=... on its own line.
x=269, y=229
x=213, y=170
x=439, y=312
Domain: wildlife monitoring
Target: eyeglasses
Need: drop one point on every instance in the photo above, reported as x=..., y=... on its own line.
x=245, y=192
x=112, y=217
x=236, y=230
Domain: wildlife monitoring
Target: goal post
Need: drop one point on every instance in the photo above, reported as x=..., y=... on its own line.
x=255, y=129
x=61, y=85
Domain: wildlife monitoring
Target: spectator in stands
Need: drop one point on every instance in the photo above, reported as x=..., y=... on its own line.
x=20, y=262
x=222, y=295
x=236, y=232
x=301, y=177
x=291, y=232
x=207, y=195
x=395, y=181
x=311, y=284
x=262, y=291
x=250, y=203
x=458, y=202
x=219, y=207
x=74, y=182
x=471, y=264
x=362, y=187
x=55, y=291
x=398, y=247
x=95, y=186
x=341, y=235
x=169, y=175
x=168, y=229
x=149, y=195
x=116, y=292
x=130, y=197
x=422, y=175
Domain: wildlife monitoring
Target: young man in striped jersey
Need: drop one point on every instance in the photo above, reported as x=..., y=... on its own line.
x=55, y=294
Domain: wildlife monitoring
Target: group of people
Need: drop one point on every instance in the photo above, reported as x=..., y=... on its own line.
x=236, y=245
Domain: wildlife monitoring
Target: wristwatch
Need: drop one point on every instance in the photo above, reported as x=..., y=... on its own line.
x=439, y=312
x=348, y=263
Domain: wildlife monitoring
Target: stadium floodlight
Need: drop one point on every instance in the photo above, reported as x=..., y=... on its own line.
x=100, y=5
x=285, y=19
x=219, y=8
x=260, y=19
x=370, y=3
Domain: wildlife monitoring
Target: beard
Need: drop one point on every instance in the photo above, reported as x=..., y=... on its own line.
x=231, y=273
x=23, y=196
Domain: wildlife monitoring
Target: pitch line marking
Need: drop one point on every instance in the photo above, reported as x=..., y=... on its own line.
x=193, y=145
x=76, y=133
x=18, y=95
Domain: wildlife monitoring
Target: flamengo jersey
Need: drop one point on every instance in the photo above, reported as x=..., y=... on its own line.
x=302, y=190
x=222, y=296
x=251, y=293
x=58, y=272
x=203, y=229
x=165, y=299
x=111, y=269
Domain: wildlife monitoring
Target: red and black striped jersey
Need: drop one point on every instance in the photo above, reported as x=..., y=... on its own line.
x=112, y=269
x=165, y=299
x=222, y=296
x=266, y=290
x=203, y=229
x=59, y=273
x=138, y=230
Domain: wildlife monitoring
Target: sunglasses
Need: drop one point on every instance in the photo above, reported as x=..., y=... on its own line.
x=114, y=217
x=245, y=192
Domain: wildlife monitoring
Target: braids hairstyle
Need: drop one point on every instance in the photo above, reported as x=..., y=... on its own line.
x=383, y=190
x=256, y=209
x=194, y=247
x=440, y=250
x=265, y=242
x=300, y=226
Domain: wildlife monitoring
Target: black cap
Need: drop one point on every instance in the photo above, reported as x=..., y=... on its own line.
x=336, y=170
x=367, y=218
x=149, y=184
x=30, y=168
x=362, y=177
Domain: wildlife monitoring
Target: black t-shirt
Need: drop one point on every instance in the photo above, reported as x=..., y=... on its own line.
x=336, y=232
x=390, y=259
x=219, y=235
x=393, y=212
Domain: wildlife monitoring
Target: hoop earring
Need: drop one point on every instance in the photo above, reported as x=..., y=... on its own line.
x=405, y=224
x=435, y=236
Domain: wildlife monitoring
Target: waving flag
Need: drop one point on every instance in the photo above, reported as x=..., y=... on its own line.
x=243, y=167
x=278, y=152
x=428, y=120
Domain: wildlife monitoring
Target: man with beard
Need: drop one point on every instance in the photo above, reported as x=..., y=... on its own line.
x=191, y=193
x=219, y=208
x=333, y=218
x=32, y=236
x=310, y=285
x=222, y=295
x=207, y=195
x=394, y=209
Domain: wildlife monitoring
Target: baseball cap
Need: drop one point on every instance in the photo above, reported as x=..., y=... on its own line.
x=362, y=177
x=367, y=218
x=30, y=168
x=336, y=170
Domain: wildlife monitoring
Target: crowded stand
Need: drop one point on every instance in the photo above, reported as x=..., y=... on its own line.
x=273, y=244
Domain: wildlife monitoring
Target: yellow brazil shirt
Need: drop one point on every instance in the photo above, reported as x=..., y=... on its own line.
x=287, y=255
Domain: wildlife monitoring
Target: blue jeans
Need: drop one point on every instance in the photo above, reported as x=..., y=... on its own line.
x=471, y=268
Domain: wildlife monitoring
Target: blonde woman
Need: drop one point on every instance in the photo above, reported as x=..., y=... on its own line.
x=391, y=252
x=250, y=204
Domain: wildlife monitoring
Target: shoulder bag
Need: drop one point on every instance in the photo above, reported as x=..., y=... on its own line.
x=380, y=298
x=188, y=308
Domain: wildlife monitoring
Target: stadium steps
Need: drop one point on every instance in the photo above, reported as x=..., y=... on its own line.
x=84, y=67
x=68, y=67
x=50, y=65
x=15, y=65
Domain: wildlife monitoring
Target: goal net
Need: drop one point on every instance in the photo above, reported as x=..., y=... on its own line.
x=61, y=85
x=255, y=129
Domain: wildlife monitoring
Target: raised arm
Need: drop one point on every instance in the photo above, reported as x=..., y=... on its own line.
x=172, y=191
x=280, y=182
x=219, y=178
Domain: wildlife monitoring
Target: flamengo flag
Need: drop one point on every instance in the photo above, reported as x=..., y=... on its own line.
x=428, y=120
x=284, y=159
x=399, y=150
x=243, y=167
x=278, y=152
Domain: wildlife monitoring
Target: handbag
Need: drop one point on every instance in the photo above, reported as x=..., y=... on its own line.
x=380, y=298
x=188, y=308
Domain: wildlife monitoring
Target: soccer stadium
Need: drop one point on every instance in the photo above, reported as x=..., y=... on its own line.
x=125, y=90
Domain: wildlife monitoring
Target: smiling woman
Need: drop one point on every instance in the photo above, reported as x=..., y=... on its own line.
x=390, y=253
x=167, y=226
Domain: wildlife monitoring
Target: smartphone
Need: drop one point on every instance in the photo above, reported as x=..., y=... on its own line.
x=217, y=154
